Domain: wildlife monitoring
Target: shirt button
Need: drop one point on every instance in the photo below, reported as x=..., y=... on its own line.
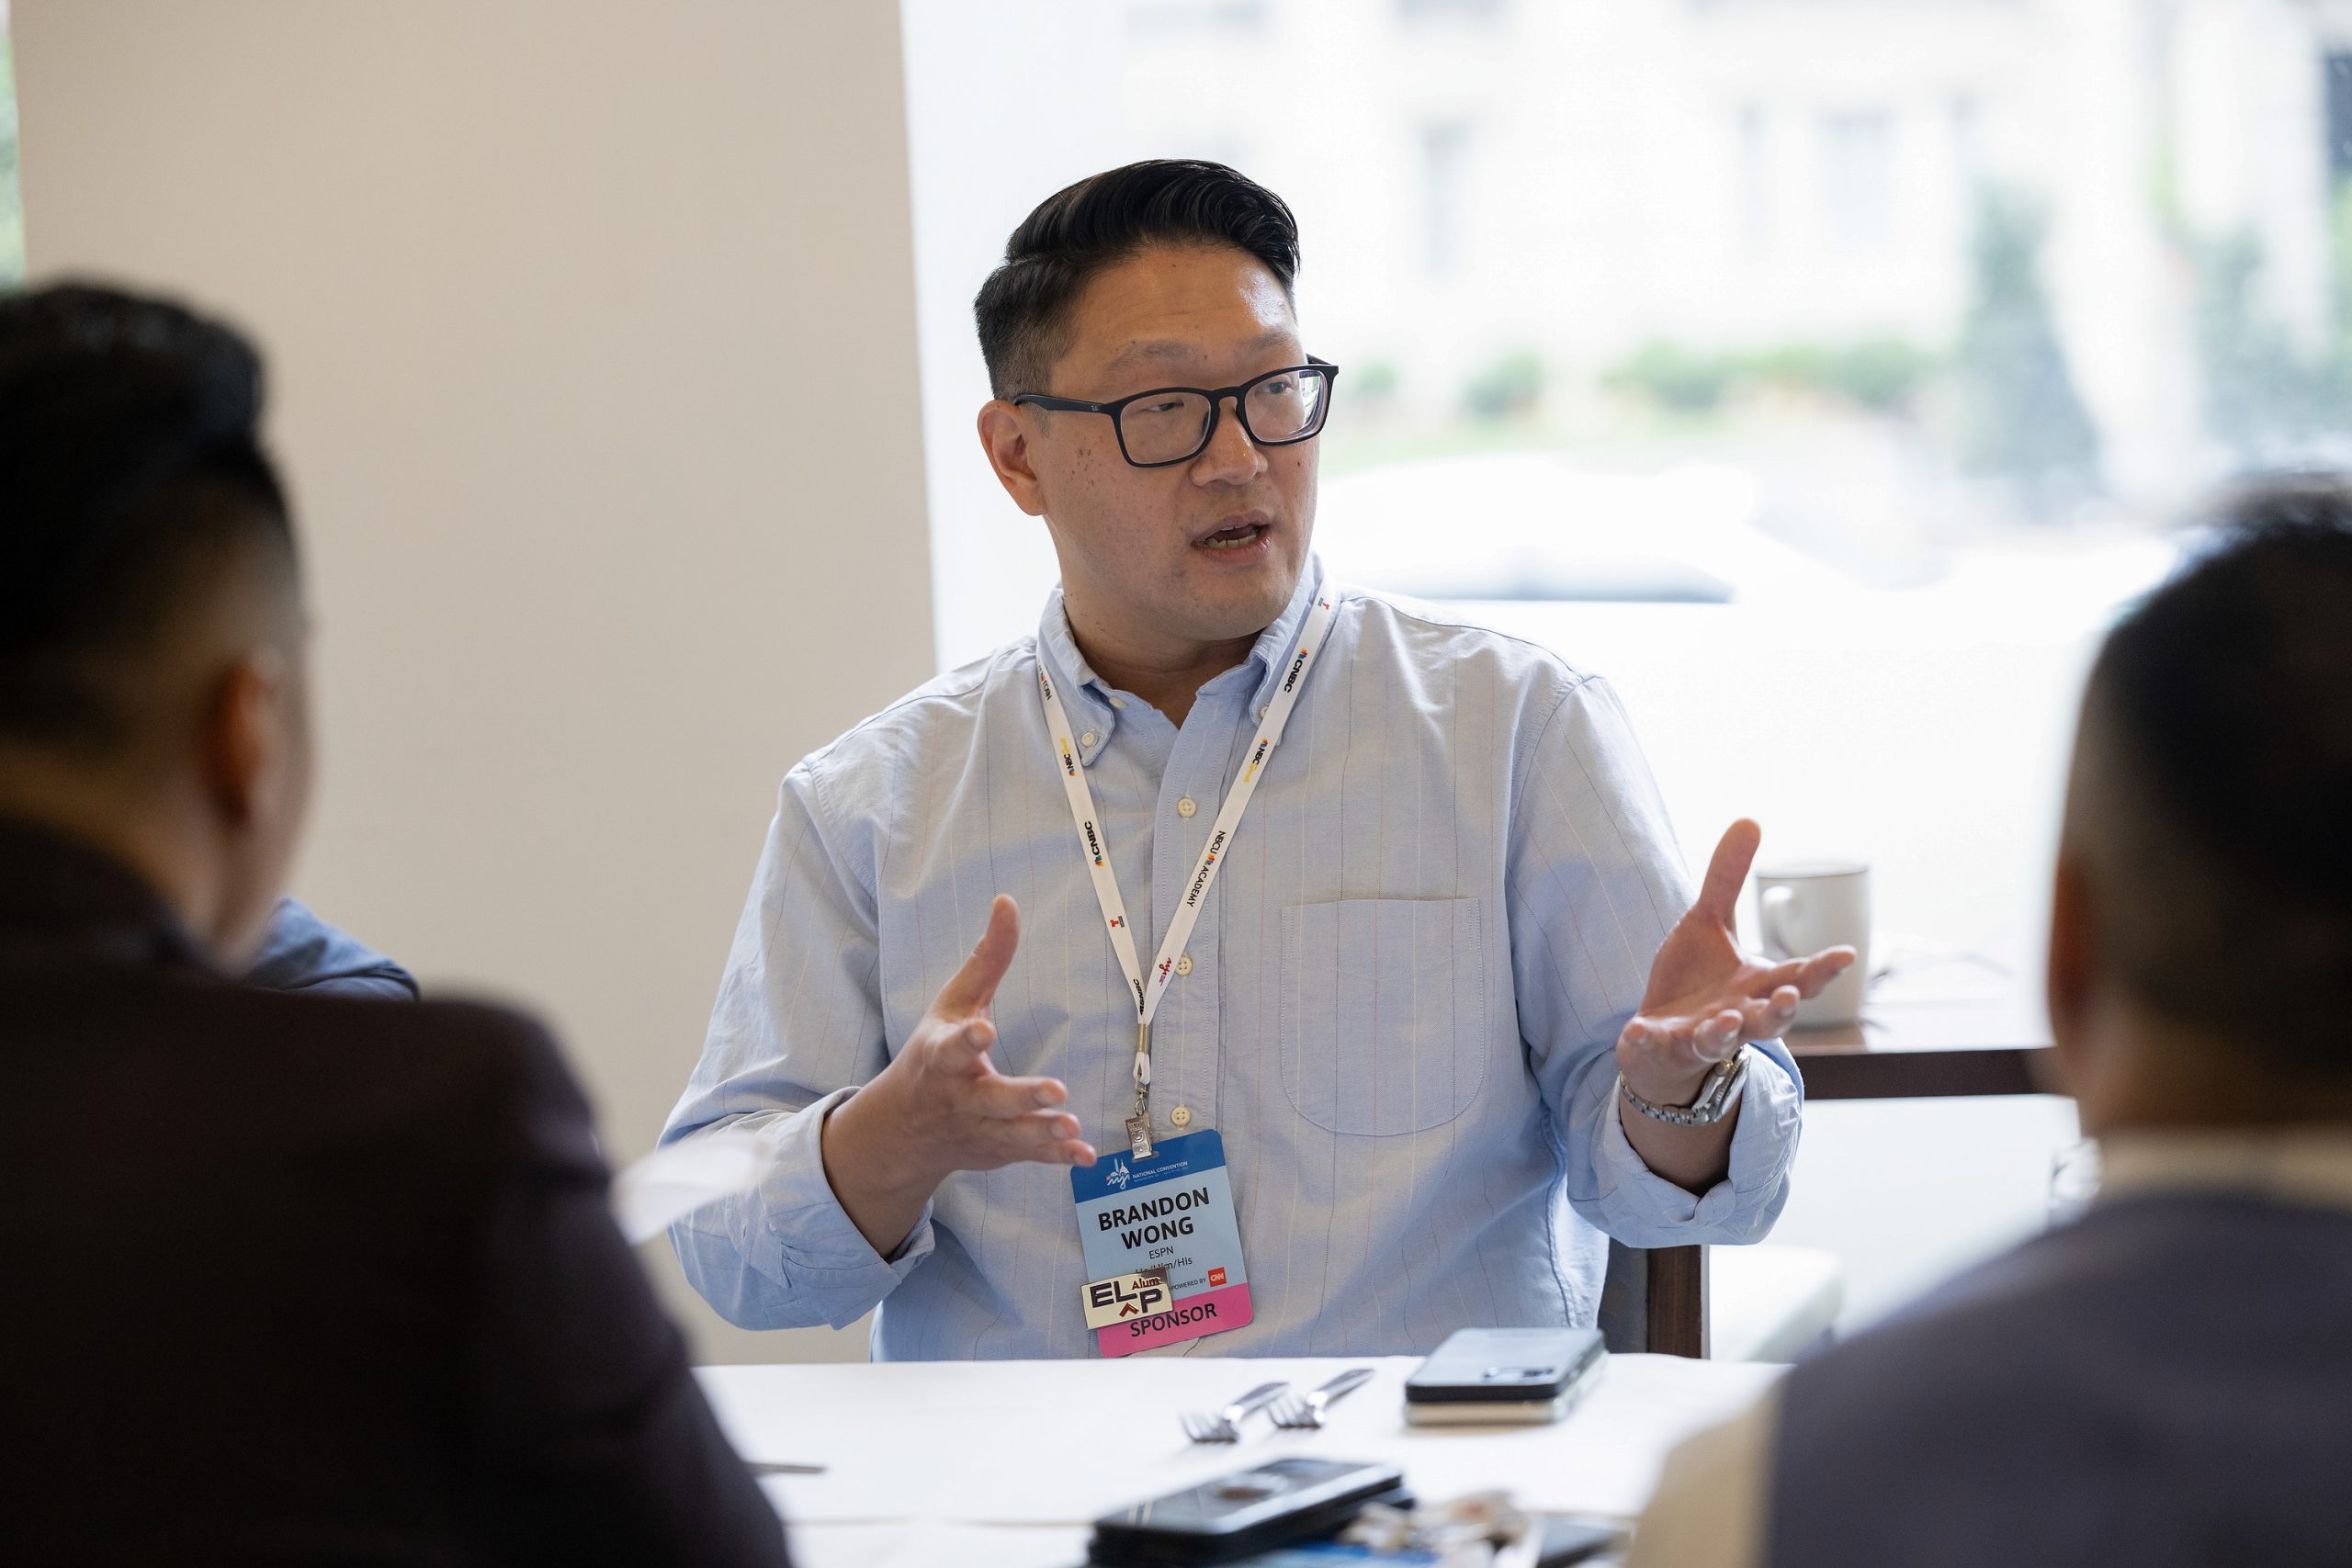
x=1185, y=806
x=1087, y=738
x=1181, y=1116
x=1119, y=703
x=1184, y=963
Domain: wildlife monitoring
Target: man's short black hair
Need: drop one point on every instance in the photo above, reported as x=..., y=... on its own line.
x=1024, y=308
x=131, y=468
x=2221, y=710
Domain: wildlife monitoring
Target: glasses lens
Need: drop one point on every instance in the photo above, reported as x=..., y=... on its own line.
x=1164, y=427
x=1288, y=407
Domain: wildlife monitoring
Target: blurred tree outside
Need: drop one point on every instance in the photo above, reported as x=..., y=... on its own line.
x=2343, y=242
x=12, y=217
x=2267, y=396
x=1509, y=389
x=2023, y=422
x=1376, y=383
x=1877, y=375
x=1677, y=379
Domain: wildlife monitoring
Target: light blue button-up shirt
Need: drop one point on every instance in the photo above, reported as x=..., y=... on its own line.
x=1405, y=990
x=300, y=951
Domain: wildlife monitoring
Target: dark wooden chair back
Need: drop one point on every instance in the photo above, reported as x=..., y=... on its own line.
x=1656, y=1301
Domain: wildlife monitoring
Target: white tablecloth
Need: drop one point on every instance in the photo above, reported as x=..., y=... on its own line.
x=1004, y=1462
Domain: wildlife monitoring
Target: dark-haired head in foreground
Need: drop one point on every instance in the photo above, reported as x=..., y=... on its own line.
x=152, y=690
x=2166, y=1382
x=2201, y=933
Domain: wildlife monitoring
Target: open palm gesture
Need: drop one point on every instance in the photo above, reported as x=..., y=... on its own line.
x=1706, y=995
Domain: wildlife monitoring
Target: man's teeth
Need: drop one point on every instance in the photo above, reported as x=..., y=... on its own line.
x=1231, y=538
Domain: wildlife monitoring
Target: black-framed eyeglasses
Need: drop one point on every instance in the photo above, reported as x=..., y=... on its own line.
x=1174, y=424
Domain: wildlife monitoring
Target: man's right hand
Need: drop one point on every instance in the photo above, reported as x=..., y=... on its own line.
x=940, y=1106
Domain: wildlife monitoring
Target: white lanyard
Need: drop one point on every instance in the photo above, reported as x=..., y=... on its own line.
x=1228, y=818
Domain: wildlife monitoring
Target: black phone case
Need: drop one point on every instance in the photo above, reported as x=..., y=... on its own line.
x=1117, y=1544
x=1457, y=1372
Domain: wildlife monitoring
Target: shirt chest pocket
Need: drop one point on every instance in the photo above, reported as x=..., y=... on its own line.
x=1383, y=1013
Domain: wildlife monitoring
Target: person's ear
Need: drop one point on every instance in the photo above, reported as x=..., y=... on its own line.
x=250, y=744
x=253, y=759
x=2071, y=972
x=1004, y=436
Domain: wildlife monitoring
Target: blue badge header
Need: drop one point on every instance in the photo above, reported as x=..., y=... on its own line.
x=1191, y=1154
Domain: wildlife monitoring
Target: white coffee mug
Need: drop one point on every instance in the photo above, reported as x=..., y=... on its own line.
x=1803, y=906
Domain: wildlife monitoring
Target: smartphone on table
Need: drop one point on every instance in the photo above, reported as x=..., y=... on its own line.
x=1561, y=1540
x=1256, y=1510
x=1485, y=1377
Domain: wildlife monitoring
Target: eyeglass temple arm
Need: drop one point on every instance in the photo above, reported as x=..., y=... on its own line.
x=1067, y=405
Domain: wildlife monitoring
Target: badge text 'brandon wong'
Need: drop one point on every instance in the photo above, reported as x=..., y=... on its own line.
x=1151, y=1217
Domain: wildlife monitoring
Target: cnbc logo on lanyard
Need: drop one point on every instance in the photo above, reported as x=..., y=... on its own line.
x=1163, y=1251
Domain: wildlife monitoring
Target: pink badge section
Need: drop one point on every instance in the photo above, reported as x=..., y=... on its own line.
x=1211, y=1312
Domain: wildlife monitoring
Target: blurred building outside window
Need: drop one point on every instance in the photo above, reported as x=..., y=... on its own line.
x=1754, y=184
x=1476, y=10
x=1858, y=180
x=1445, y=156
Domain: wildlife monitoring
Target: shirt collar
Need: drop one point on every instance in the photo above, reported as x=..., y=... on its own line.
x=1095, y=709
x=56, y=891
x=1271, y=654
x=1081, y=691
x=2300, y=1165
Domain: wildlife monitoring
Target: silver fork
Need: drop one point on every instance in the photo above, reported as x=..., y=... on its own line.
x=1225, y=1426
x=1307, y=1414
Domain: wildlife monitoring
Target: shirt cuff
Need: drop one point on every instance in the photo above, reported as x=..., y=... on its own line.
x=1743, y=1206
x=816, y=1238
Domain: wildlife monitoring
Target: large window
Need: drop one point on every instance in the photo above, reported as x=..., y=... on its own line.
x=11, y=224
x=1825, y=372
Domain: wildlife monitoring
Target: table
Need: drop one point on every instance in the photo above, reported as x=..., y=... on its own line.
x=1929, y=1048
x=1001, y=1464
x=1906, y=1047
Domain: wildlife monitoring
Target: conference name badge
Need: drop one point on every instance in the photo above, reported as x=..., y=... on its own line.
x=1162, y=1246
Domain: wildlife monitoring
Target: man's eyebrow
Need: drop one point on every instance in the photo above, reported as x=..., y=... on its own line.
x=1171, y=349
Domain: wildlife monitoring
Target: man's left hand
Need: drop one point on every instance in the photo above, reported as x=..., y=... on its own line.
x=1706, y=996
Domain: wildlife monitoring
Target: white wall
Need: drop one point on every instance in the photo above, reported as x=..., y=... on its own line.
x=592, y=347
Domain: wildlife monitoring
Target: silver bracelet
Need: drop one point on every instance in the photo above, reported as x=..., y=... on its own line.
x=1716, y=1094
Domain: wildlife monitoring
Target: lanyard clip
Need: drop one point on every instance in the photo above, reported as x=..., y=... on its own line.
x=1139, y=1124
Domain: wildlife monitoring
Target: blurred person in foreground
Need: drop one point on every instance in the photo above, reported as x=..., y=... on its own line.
x=289, y=1277
x=2169, y=1380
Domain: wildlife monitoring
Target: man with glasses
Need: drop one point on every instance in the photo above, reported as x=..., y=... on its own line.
x=1356, y=938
